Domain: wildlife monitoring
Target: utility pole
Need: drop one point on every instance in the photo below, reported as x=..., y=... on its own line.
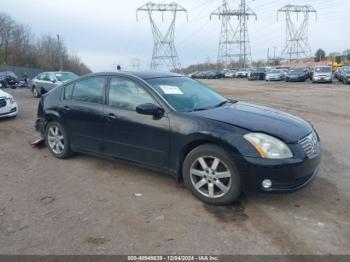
x=268, y=56
x=234, y=39
x=274, y=55
x=297, y=43
x=60, y=52
x=164, y=52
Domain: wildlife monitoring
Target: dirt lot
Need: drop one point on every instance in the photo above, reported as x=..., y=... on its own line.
x=86, y=205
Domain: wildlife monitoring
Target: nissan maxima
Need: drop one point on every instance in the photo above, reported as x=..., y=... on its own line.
x=167, y=122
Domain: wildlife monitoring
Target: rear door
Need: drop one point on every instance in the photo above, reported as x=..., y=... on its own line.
x=129, y=135
x=82, y=107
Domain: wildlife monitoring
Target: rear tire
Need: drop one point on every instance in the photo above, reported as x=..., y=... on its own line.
x=211, y=175
x=57, y=140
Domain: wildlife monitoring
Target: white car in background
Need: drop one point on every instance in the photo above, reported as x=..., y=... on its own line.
x=8, y=105
x=243, y=72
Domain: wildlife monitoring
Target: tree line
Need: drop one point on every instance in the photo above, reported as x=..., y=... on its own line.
x=20, y=47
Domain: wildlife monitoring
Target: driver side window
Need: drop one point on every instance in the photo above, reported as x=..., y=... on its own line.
x=47, y=77
x=126, y=94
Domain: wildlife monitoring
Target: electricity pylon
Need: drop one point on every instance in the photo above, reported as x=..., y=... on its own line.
x=234, y=41
x=297, y=41
x=164, y=52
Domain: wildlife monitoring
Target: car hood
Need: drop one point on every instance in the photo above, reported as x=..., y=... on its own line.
x=4, y=94
x=274, y=74
x=260, y=119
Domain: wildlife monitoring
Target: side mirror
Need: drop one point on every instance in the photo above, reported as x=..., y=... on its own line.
x=150, y=109
x=53, y=80
x=43, y=91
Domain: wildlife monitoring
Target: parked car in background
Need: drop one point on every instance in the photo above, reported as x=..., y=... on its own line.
x=322, y=74
x=8, y=79
x=344, y=74
x=297, y=74
x=8, y=105
x=275, y=75
x=230, y=73
x=193, y=75
x=310, y=72
x=182, y=127
x=46, y=81
x=257, y=74
x=243, y=72
x=213, y=75
x=337, y=72
x=200, y=75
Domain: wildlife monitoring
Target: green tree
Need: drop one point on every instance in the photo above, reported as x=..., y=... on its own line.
x=320, y=55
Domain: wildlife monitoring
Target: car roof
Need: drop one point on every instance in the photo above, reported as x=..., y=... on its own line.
x=145, y=75
x=56, y=72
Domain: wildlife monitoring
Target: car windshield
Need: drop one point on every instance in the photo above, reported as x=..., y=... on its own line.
x=62, y=77
x=274, y=71
x=184, y=94
x=323, y=69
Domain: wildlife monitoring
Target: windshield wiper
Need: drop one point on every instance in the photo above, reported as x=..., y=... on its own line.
x=222, y=103
x=199, y=109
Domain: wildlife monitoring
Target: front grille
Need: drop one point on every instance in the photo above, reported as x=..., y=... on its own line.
x=2, y=102
x=309, y=144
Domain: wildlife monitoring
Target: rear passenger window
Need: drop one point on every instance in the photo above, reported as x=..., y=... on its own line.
x=68, y=91
x=89, y=90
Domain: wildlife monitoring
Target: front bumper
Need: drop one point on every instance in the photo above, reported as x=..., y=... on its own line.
x=9, y=111
x=322, y=79
x=274, y=78
x=286, y=175
x=295, y=78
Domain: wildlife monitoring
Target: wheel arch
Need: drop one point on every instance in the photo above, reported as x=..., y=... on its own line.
x=52, y=116
x=188, y=147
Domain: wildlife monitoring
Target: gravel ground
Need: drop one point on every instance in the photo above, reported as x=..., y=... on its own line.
x=87, y=205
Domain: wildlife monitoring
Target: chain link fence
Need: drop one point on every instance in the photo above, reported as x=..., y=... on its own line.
x=19, y=70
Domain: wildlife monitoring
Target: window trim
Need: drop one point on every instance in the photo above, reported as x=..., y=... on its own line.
x=64, y=91
x=102, y=98
x=131, y=80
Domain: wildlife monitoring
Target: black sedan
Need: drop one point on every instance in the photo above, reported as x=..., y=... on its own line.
x=257, y=74
x=179, y=126
x=297, y=75
x=8, y=79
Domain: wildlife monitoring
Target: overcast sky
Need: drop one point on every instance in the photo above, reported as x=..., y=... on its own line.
x=105, y=32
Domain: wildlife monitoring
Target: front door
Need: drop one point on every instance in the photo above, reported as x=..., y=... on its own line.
x=129, y=135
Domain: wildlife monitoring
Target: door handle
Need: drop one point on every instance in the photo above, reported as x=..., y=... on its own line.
x=111, y=117
x=66, y=108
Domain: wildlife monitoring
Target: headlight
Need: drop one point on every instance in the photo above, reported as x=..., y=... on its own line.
x=268, y=146
x=11, y=99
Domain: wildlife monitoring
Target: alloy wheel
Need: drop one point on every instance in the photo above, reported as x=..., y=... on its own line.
x=56, y=139
x=210, y=176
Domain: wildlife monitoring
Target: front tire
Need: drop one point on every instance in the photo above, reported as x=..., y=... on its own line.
x=210, y=174
x=57, y=140
x=35, y=92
